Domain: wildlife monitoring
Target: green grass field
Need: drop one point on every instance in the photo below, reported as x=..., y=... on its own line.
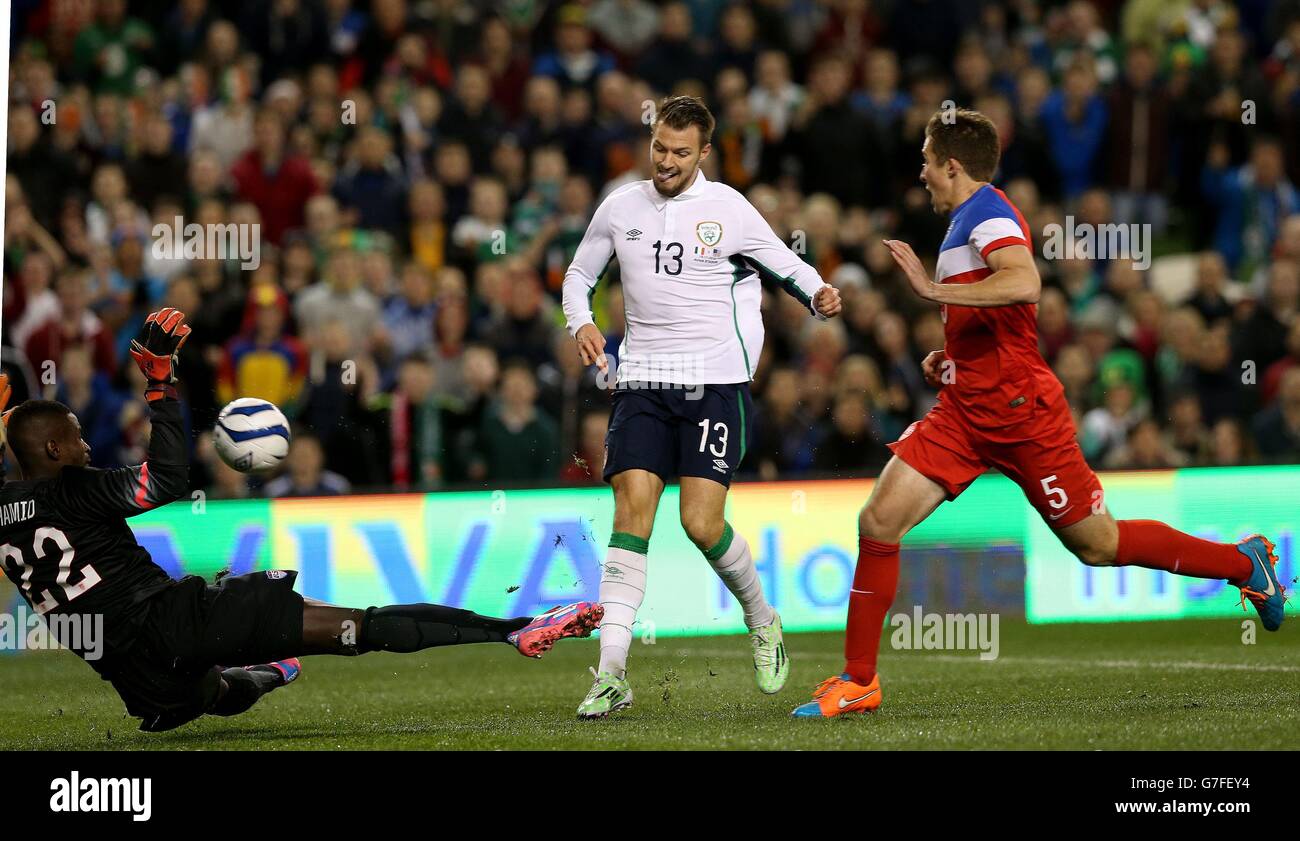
x=1157, y=685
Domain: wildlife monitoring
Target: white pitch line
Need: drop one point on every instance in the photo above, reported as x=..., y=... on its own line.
x=1121, y=664
x=972, y=657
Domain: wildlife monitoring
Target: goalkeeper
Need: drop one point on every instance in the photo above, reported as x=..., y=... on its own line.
x=176, y=650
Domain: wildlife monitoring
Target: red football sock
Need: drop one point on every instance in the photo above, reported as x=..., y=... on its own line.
x=1154, y=545
x=874, y=584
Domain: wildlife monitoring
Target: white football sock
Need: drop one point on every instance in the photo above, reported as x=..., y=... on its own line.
x=622, y=588
x=731, y=560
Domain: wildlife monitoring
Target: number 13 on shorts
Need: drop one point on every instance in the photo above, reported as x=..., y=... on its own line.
x=718, y=450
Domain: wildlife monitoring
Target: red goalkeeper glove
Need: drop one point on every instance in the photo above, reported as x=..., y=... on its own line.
x=6, y=391
x=155, y=347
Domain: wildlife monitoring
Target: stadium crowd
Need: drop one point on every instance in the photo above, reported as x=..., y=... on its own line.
x=422, y=172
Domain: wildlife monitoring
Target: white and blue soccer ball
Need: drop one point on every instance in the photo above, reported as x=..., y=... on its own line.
x=251, y=435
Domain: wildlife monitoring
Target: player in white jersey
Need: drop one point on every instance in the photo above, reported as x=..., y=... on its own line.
x=692, y=254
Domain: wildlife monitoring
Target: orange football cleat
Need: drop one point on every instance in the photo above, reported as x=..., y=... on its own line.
x=839, y=695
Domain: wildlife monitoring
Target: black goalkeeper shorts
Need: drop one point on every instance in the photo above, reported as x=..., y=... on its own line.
x=172, y=673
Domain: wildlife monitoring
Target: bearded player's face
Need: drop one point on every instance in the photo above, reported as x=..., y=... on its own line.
x=675, y=155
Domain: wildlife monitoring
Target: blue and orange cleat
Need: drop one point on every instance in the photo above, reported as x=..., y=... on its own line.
x=288, y=670
x=572, y=620
x=1262, y=588
x=840, y=695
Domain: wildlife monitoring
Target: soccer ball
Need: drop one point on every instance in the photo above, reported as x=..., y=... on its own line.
x=251, y=435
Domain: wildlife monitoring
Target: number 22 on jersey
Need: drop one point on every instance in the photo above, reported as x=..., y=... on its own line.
x=12, y=557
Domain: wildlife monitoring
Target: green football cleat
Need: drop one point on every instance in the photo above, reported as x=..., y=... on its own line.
x=608, y=694
x=771, y=666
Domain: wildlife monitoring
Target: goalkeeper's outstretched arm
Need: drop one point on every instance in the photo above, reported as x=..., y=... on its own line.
x=163, y=476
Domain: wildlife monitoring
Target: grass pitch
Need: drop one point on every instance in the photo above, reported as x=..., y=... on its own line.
x=1157, y=685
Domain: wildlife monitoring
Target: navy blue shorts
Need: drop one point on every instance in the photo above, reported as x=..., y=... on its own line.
x=682, y=431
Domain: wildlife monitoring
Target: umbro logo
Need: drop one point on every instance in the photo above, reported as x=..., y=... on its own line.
x=633, y=235
x=720, y=465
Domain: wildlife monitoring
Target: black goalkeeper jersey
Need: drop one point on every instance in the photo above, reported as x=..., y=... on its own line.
x=65, y=544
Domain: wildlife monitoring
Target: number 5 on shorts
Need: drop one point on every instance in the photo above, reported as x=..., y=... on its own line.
x=1055, y=496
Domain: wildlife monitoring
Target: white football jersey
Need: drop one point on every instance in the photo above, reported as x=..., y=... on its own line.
x=690, y=268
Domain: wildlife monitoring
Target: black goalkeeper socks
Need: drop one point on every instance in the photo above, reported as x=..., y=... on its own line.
x=243, y=688
x=405, y=628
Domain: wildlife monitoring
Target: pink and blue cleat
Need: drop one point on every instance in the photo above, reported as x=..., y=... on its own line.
x=572, y=620
x=288, y=670
x=1262, y=588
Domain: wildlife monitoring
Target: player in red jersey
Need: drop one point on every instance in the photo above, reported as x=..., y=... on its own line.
x=999, y=406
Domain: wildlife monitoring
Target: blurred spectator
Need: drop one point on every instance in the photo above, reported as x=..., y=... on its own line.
x=264, y=361
x=408, y=318
x=626, y=25
x=1145, y=449
x=1277, y=428
x=672, y=55
x=109, y=51
x=1251, y=202
x=340, y=298
x=74, y=325
x=1106, y=428
x=1211, y=283
x=569, y=390
x=304, y=472
x=850, y=448
x=573, y=61
x=1074, y=120
x=371, y=185
x=273, y=178
x=784, y=434
x=102, y=411
x=1229, y=446
x=1138, y=138
x=1187, y=434
x=834, y=141
x=517, y=441
x=415, y=422
x=1260, y=338
x=158, y=169
x=40, y=304
x=1272, y=377
x=224, y=126
x=427, y=210
x=47, y=173
x=524, y=330
x=1218, y=379
x=471, y=117
x=342, y=381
